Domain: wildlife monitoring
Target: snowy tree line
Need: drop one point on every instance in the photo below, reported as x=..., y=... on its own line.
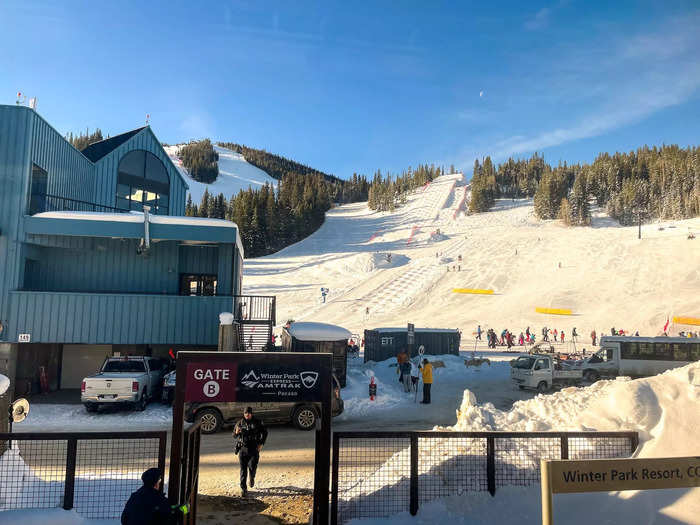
x=388, y=192
x=650, y=182
x=201, y=160
x=269, y=220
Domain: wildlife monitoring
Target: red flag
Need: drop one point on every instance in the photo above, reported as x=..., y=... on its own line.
x=666, y=325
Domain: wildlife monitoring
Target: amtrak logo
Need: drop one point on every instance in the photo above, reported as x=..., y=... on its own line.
x=250, y=379
x=308, y=379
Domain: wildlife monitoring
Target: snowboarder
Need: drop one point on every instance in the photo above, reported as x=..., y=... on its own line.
x=427, y=371
x=593, y=336
x=250, y=434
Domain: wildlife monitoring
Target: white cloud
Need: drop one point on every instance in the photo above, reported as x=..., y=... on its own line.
x=540, y=20
x=638, y=77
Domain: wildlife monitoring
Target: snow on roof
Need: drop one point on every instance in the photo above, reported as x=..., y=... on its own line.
x=4, y=384
x=135, y=216
x=405, y=329
x=305, y=331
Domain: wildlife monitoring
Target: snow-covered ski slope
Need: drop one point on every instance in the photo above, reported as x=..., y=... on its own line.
x=235, y=174
x=603, y=273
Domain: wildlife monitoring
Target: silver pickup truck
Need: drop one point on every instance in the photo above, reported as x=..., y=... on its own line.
x=130, y=381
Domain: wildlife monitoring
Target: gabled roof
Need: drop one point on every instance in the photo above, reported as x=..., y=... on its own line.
x=97, y=150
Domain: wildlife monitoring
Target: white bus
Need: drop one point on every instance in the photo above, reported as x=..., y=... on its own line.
x=639, y=356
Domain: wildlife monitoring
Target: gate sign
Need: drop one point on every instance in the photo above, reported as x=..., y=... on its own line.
x=255, y=381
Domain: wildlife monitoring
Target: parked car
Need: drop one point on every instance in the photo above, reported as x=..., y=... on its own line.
x=168, y=388
x=125, y=381
x=214, y=416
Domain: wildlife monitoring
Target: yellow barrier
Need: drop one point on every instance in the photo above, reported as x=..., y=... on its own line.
x=554, y=311
x=472, y=290
x=687, y=320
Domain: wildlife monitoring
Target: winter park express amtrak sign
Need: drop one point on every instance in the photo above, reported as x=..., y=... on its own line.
x=223, y=381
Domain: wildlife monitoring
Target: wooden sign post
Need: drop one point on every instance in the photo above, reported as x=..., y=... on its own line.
x=604, y=475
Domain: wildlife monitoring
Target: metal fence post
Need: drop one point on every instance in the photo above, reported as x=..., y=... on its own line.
x=491, y=464
x=414, y=475
x=334, y=480
x=69, y=485
x=162, y=439
x=564, y=446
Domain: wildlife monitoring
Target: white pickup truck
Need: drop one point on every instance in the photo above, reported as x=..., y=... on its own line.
x=543, y=371
x=130, y=381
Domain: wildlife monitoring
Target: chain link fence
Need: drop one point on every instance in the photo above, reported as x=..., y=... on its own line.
x=93, y=473
x=377, y=474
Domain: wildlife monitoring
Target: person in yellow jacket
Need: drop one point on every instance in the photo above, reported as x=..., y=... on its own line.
x=427, y=372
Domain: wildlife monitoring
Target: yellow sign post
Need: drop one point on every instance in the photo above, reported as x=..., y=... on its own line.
x=604, y=475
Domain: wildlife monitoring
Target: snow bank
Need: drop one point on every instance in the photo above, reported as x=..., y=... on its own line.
x=664, y=409
x=74, y=418
x=4, y=384
x=50, y=516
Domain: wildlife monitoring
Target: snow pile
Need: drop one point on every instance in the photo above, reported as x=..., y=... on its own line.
x=226, y=318
x=16, y=477
x=4, y=384
x=235, y=174
x=73, y=418
x=52, y=517
x=663, y=409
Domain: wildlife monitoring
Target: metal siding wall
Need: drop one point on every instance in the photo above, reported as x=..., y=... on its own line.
x=109, y=265
x=225, y=269
x=70, y=173
x=106, y=171
x=117, y=319
x=199, y=259
x=15, y=129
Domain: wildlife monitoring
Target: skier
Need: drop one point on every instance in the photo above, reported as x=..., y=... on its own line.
x=478, y=332
x=593, y=336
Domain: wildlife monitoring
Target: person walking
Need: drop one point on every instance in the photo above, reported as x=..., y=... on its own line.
x=148, y=505
x=401, y=358
x=556, y=333
x=415, y=373
x=250, y=435
x=562, y=336
x=593, y=336
x=406, y=375
x=574, y=335
x=427, y=371
x=478, y=332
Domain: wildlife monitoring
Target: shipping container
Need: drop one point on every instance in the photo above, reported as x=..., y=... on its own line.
x=385, y=343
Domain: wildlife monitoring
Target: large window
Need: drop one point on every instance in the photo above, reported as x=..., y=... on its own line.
x=38, y=189
x=143, y=181
x=197, y=284
x=661, y=351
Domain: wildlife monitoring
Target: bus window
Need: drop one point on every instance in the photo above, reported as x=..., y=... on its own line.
x=663, y=351
x=694, y=351
x=680, y=352
x=646, y=351
x=630, y=350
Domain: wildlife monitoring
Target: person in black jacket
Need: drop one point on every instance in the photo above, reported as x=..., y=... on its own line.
x=148, y=506
x=250, y=435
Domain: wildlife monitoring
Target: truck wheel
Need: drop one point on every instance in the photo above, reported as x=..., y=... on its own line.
x=542, y=387
x=591, y=376
x=90, y=407
x=141, y=403
x=304, y=418
x=210, y=420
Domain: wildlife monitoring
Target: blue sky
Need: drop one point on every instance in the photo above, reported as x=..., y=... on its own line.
x=356, y=86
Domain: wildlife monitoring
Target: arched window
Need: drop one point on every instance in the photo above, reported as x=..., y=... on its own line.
x=143, y=181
